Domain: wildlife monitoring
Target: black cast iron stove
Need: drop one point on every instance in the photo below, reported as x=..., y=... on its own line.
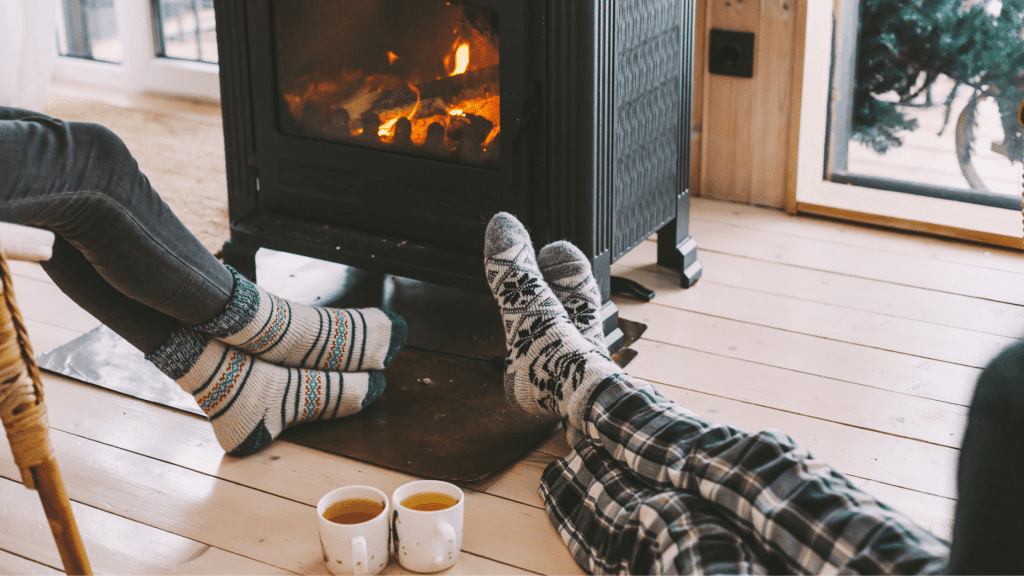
x=383, y=134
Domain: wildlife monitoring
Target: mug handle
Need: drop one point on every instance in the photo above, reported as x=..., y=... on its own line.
x=359, y=565
x=447, y=542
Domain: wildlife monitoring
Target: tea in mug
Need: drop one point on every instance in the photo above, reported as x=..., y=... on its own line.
x=429, y=502
x=353, y=511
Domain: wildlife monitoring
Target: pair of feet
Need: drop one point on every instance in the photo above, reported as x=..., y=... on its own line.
x=266, y=363
x=554, y=334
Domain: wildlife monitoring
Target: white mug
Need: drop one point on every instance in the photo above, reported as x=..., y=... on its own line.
x=355, y=548
x=427, y=541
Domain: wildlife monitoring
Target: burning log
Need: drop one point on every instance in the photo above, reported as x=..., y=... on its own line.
x=470, y=132
x=472, y=84
x=371, y=127
x=435, y=140
x=337, y=127
x=403, y=134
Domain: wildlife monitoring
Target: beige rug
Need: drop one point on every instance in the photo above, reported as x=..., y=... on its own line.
x=182, y=155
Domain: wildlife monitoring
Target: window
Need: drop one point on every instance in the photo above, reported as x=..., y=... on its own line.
x=163, y=46
x=909, y=115
x=88, y=29
x=187, y=30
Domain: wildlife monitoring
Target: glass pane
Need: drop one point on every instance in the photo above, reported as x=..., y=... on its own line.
x=926, y=99
x=188, y=30
x=88, y=29
x=413, y=76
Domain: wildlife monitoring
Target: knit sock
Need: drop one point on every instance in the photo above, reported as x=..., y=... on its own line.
x=249, y=401
x=283, y=332
x=550, y=366
x=567, y=272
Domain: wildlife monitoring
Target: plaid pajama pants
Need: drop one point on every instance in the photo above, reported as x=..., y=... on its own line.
x=654, y=489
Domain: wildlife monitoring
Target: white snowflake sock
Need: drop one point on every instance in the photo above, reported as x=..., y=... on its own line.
x=550, y=366
x=567, y=271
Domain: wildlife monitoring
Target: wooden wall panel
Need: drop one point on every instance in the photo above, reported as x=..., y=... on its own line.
x=730, y=102
x=745, y=122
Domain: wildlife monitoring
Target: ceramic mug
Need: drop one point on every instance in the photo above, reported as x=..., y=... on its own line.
x=360, y=548
x=427, y=540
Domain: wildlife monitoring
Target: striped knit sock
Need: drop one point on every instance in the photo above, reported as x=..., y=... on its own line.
x=249, y=401
x=283, y=332
x=567, y=271
x=550, y=366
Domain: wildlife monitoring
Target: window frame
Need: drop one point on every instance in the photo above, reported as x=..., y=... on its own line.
x=813, y=192
x=141, y=70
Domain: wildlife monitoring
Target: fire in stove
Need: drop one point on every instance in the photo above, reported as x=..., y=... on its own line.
x=434, y=94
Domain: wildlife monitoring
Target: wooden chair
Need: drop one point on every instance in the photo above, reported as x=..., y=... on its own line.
x=21, y=401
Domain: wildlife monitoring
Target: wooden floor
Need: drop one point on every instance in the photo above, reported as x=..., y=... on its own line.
x=863, y=345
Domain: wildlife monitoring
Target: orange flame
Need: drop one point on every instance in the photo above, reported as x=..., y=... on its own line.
x=385, y=130
x=313, y=104
x=461, y=59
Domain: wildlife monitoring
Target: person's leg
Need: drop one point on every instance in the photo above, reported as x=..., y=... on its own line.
x=143, y=327
x=615, y=524
x=989, y=523
x=7, y=113
x=80, y=181
x=126, y=258
x=795, y=509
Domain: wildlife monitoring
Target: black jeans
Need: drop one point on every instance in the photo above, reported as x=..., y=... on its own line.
x=120, y=253
x=989, y=528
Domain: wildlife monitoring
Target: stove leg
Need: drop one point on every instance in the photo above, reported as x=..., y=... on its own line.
x=677, y=249
x=613, y=335
x=241, y=257
x=602, y=269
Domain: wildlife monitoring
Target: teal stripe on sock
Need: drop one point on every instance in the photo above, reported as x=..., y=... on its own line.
x=224, y=382
x=310, y=404
x=238, y=393
x=266, y=323
x=341, y=394
x=283, y=331
x=338, y=349
x=210, y=379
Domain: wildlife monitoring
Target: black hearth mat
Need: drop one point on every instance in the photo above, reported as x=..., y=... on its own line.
x=443, y=414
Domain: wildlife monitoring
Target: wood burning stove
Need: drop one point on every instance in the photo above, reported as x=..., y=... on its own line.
x=383, y=134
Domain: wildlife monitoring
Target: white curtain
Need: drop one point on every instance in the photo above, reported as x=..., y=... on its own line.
x=28, y=49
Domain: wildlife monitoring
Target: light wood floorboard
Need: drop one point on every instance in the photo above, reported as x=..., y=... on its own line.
x=907, y=243
x=863, y=345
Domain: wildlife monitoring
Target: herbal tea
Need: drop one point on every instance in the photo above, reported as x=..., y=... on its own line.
x=429, y=502
x=353, y=511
